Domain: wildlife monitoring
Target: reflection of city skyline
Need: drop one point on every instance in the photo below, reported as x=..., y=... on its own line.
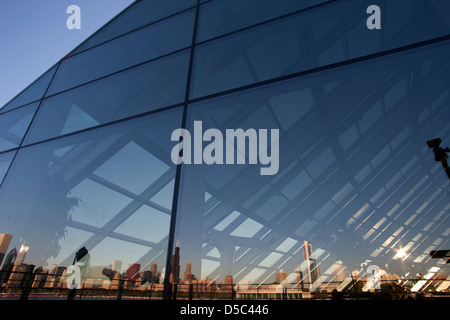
x=308, y=279
x=85, y=150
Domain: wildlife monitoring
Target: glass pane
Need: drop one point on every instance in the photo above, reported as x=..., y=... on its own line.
x=147, y=87
x=139, y=14
x=5, y=161
x=140, y=46
x=94, y=190
x=13, y=126
x=319, y=37
x=34, y=92
x=355, y=181
x=222, y=16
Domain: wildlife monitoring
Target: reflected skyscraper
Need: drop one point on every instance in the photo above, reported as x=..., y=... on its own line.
x=8, y=265
x=281, y=276
x=175, y=269
x=312, y=270
x=116, y=265
x=22, y=254
x=154, y=271
x=5, y=239
x=188, y=276
x=133, y=271
x=338, y=272
x=299, y=277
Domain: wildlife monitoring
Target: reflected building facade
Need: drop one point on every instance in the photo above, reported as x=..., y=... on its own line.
x=22, y=254
x=175, y=267
x=86, y=150
x=311, y=268
x=5, y=239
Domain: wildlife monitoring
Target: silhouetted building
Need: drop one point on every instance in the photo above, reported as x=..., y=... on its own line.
x=154, y=271
x=8, y=265
x=133, y=271
x=204, y=285
x=281, y=276
x=19, y=274
x=41, y=278
x=175, y=269
x=227, y=286
x=5, y=239
x=188, y=276
x=299, y=278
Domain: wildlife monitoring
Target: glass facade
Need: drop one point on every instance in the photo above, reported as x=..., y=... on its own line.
x=339, y=113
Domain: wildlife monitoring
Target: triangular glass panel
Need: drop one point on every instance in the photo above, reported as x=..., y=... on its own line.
x=33, y=92
x=137, y=47
x=148, y=87
x=77, y=119
x=13, y=126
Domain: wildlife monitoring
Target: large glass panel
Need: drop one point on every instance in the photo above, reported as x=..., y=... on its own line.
x=139, y=14
x=5, y=161
x=326, y=35
x=140, y=46
x=222, y=16
x=147, y=87
x=353, y=182
x=34, y=92
x=94, y=190
x=13, y=126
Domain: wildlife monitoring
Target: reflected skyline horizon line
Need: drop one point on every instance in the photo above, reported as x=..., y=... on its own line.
x=161, y=271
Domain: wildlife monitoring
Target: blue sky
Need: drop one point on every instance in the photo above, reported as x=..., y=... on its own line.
x=34, y=36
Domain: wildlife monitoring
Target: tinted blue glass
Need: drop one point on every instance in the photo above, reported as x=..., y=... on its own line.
x=139, y=14
x=93, y=190
x=354, y=169
x=5, y=161
x=132, y=49
x=34, y=92
x=325, y=35
x=223, y=16
x=13, y=126
x=147, y=87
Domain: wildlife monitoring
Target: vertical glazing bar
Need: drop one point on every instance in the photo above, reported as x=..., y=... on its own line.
x=170, y=246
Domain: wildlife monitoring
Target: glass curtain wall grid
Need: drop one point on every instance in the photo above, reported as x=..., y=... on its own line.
x=85, y=154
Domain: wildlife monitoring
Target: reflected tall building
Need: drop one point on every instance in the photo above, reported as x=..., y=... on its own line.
x=175, y=269
x=22, y=254
x=19, y=274
x=154, y=268
x=133, y=271
x=154, y=271
x=311, y=268
x=299, y=277
x=8, y=265
x=338, y=272
x=116, y=265
x=5, y=239
x=281, y=276
x=188, y=276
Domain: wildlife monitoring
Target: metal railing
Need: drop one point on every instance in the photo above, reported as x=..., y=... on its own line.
x=44, y=285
